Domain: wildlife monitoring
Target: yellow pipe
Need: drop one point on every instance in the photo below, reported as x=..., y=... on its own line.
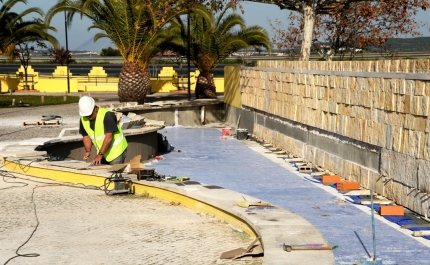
x=138, y=188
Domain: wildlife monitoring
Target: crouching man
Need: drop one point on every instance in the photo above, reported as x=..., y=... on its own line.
x=99, y=127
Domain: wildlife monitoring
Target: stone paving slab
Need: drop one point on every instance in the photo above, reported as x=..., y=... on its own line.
x=84, y=226
x=235, y=165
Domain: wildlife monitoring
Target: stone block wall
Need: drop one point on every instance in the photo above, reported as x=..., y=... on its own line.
x=381, y=106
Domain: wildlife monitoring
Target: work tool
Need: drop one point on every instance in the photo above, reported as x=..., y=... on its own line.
x=121, y=185
x=374, y=260
x=252, y=249
x=289, y=248
x=246, y=204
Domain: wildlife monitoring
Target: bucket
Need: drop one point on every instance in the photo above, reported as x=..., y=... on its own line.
x=241, y=134
x=226, y=131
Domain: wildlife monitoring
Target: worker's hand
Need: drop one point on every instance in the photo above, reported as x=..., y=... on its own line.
x=97, y=160
x=86, y=155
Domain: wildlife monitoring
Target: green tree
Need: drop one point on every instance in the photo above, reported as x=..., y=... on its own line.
x=17, y=34
x=109, y=51
x=134, y=27
x=214, y=38
x=15, y=30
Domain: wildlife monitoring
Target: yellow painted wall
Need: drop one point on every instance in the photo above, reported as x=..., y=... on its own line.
x=8, y=82
x=103, y=84
x=232, y=86
x=57, y=82
x=32, y=76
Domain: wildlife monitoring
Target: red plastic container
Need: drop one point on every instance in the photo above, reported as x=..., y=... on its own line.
x=226, y=131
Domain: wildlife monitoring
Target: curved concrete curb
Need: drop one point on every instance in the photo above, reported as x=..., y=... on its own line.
x=274, y=225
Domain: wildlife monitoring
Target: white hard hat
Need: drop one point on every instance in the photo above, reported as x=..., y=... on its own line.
x=86, y=106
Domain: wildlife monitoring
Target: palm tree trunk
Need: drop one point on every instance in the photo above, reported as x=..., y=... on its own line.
x=134, y=83
x=205, y=87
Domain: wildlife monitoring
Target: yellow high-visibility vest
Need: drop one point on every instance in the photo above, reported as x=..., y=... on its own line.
x=118, y=143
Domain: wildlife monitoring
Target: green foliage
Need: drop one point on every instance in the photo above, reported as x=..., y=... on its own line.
x=132, y=25
x=214, y=38
x=109, y=51
x=34, y=101
x=15, y=30
x=419, y=44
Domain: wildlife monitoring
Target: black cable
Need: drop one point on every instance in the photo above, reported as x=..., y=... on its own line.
x=73, y=185
x=34, y=255
x=7, y=175
x=29, y=255
x=26, y=167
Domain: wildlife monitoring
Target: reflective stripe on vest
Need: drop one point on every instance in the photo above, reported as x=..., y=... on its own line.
x=118, y=143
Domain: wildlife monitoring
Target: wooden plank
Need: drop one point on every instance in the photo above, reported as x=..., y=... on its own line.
x=358, y=192
x=421, y=233
x=25, y=123
x=367, y=202
x=52, y=122
x=294, y=160
x=41, y=122
x=415, y=225
x=75, y=164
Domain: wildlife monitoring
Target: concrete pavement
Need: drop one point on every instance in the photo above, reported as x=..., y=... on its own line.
x=48, y=222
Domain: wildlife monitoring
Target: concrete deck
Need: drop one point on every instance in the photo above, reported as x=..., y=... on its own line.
x=274, y=225
x=244, y=166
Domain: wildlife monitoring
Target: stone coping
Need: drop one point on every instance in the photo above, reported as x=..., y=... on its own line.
x=168, y=104
x=274, y=225
x=37, y=143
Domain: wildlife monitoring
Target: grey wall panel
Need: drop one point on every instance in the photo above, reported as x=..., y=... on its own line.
x=340, y=146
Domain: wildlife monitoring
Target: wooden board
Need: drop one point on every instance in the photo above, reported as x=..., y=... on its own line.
x=415, y=225
x=377, y=201
x=41, y=122
x=294, y=160
x=358, y=192
x=75, y=164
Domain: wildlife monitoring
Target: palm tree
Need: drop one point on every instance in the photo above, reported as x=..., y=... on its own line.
x=134, y=26
x=14, y=30
x=214, y=38
x=16, y=33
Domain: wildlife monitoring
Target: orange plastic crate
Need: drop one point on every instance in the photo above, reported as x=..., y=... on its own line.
x=348, y=186
x=330, y=179
x=391, y=210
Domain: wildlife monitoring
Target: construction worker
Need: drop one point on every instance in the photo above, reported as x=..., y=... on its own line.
x=99, y=127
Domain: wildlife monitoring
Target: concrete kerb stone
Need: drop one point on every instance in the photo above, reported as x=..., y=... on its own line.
x=275, y=225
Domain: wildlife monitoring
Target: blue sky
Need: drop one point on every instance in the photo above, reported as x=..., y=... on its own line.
x=80, y=38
